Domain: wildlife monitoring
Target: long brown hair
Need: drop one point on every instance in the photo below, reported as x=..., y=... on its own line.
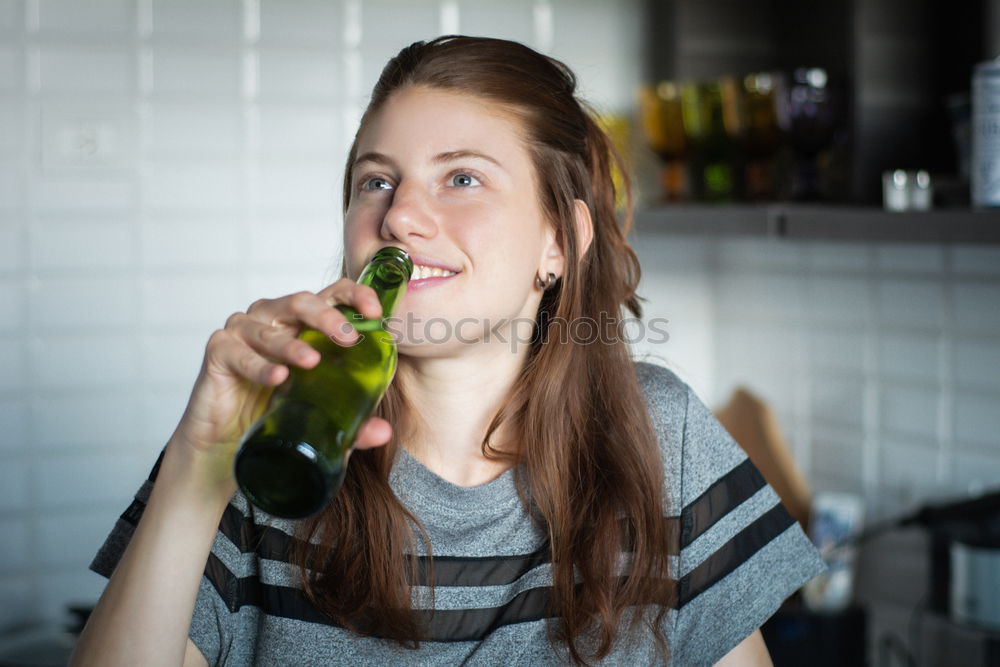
x=590, y=469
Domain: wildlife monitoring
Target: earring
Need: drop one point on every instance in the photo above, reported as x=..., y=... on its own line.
x=549, y=281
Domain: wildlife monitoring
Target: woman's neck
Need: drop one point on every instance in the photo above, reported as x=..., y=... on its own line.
x=451, y=403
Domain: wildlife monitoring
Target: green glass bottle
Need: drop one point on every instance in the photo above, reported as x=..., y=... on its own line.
x=294, y=458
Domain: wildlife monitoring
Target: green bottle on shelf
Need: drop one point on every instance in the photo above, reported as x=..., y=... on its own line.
x=293, y=459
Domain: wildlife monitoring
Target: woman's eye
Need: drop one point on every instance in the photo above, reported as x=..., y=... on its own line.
x=464, y=180
x=376, y=183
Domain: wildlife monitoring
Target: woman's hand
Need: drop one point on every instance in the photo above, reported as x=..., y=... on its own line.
x=251, y=355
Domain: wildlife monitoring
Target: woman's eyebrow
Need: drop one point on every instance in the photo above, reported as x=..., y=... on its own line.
x=371, y=156
x=452, y=156
x=440, y=158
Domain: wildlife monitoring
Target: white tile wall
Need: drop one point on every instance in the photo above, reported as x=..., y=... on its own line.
x=178, y=241
x=976, y=472
x=11, y=252
x=910, y=411
x=79, y=195
x=187, y=300
x=11, y=15
x=83, y=361
x=11, y=187
x=308, y=131
x=300, y=74
x=836, y=300
x=15, y=487
x=93, y=304
x=81, y=243
x=316, y=22
x=87, y=71
x=197, y=72
x=12, y=364
x=11, y=305
x=976, y=260
x=909, y=356
x=900, y=375
x=488, y=18
x=977, y=419
x=65, y=535
x=18, y=594
x=305, y=186
x=108, y=17
x=977, y=307
x=68, y=420
x=14, y=552
x=977, y=364
x=291, y=239
x=76, y=481
x=171, y=360
x=11, y=68
x=180, y=186
x=10, y=129
x=186, y=129
x=911, y=304
x=208, y=20
x=14, y=417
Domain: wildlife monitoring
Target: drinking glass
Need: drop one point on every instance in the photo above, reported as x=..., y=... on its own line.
x=713, y=154
x=662, y=124
x=814, y=116
x=752, y=112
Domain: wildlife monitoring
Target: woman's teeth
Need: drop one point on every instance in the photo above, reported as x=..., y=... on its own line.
x=421, y=272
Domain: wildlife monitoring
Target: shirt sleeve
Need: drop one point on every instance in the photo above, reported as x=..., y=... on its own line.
x=210, y=629
x=741, y=553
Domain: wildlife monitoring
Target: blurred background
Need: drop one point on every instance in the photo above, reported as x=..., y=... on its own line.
x=164, y=163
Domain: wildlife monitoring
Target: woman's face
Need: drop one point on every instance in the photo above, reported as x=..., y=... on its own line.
x=448, y=178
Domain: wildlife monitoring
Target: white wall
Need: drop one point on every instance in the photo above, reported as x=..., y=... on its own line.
x=163, y=163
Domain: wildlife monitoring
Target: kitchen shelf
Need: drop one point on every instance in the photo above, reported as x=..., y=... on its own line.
x=831, y=223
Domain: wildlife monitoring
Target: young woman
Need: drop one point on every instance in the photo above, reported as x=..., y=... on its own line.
x=540, y=499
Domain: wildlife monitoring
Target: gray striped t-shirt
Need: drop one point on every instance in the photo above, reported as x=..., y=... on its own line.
x=741, y=555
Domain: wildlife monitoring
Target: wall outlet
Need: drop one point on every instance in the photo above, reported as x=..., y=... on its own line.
x=85, y=140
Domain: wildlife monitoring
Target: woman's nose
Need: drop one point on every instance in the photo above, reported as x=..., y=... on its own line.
x=410, y=214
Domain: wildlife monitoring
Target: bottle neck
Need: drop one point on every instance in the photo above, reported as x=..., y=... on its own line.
x=389, y=278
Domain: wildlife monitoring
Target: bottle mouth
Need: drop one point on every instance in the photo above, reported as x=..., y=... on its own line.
x=394, y=260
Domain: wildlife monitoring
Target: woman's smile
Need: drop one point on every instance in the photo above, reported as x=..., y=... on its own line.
x=429, y=272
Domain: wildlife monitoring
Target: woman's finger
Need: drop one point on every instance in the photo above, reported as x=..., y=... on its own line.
x=360, y=297
x=276, y=343
x=232, y=355
x=290, y=313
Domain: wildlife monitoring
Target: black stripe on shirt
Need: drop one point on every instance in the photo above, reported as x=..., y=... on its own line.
x=446, y=625
x=482, y=571
x=734, y=553
x=441, y=625
x=723, y=496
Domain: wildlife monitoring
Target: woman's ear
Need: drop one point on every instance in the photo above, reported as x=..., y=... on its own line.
x=584, y=226
x=555, y=256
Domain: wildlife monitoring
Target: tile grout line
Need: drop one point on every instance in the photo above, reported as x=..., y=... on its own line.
x=871, y=464
x=947, y=360
x=32, y=86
